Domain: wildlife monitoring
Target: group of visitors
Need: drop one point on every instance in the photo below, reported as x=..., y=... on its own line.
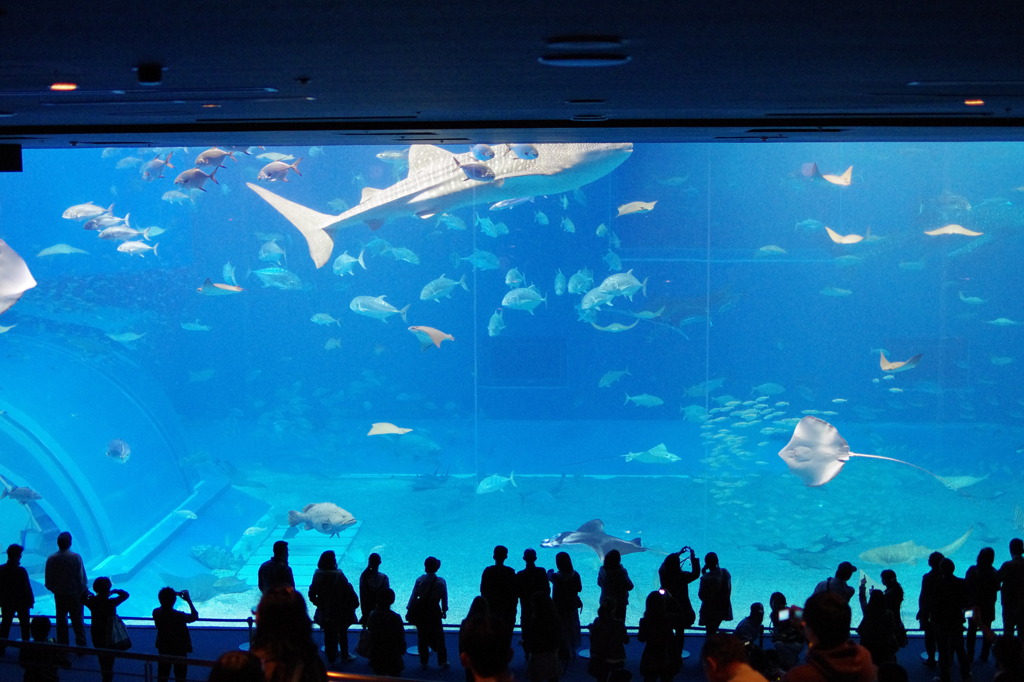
x=65, y=577
x=808, y=643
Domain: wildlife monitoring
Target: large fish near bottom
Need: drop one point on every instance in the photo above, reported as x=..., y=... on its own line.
x=437, y=183
x=909, y=552
x=593, y=536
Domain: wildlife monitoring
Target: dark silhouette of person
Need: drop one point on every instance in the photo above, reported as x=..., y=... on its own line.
x=283, y=639
x=787, y=631
x=42, y=662
x=566, y=587
x=613, y=579
x=371, y=583
x=659, y=660
x=1009, y=658
x=724, y=658
x=275, y=571
x=925, y=601
x=499, y=587
x=676, y=583
x=387, y=636
x=840, y=582
x=103, y=602
x=172, y=636
x=529, y=581
x=478, y=608
x=894, y=602
x=750, y=629
x=433, y=591
x=608, y=639
x=947, y=617
x=715, y=594
x=485, y=648
x=16, y=597
x=831, y=654
x=237, y=666
x=336, y=601
x=546, y=647
x=1011, y=585
x=982, y=589
x=877, y=629
x=65, y=578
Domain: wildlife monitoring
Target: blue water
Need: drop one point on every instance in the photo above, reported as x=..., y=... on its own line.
x=261, y=393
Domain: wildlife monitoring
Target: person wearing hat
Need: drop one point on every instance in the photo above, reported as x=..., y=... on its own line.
x=839, y=583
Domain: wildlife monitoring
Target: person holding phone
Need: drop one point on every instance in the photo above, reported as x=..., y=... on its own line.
x=172, y=636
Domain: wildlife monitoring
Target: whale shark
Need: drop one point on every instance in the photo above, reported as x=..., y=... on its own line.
x=437, y=182
x=593, y=536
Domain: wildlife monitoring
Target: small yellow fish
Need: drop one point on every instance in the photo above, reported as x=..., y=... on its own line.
x=4, y=330
x=186, y=514
x=379, y=428
x=843, y=238
x=843, y=180
x=953, y=229
x=636, y=207
x=429, y=335
x=211, y=288
x=887, y=366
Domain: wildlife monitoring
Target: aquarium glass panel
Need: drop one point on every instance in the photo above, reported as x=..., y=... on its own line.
x=792, y=355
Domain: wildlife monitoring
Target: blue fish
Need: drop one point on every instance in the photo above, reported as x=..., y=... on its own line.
x=482, y=152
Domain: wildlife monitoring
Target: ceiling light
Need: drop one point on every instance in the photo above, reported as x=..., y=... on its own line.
x=974, y=102
x=63, y=87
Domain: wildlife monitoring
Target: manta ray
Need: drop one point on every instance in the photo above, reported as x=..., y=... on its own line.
x=593, y=536
x=438, y=182
x=15, y=278
x=909, y=552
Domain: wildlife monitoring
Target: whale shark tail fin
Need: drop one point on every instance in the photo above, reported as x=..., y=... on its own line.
x=312, y=224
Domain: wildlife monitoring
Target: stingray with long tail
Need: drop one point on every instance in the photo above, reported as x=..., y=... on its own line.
x=817, y=453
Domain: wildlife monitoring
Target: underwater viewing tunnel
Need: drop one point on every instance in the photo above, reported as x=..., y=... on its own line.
x=60, y=410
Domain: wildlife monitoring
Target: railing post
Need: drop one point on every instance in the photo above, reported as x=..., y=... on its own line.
x=147, y=671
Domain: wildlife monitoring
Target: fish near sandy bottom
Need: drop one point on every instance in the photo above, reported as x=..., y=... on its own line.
x=593, y=536
x=495, y=483
x=909, y=552
x=326, y=517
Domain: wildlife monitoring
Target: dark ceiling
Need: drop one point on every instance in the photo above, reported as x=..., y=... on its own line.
x=335, y=71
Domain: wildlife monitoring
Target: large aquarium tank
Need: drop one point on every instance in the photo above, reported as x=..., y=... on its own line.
x=792, y=355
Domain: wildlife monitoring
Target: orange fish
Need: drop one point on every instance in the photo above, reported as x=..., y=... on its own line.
x=429, y=335
x=953, y=229
x=379, y=428
x=843, y=238
x=898, y=366
x=843, y=180
x=211, y=288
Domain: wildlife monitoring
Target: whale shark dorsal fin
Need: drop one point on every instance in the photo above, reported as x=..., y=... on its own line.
x=423, y=155
x=368, y=193
x=312, y=224
x=594, y=526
